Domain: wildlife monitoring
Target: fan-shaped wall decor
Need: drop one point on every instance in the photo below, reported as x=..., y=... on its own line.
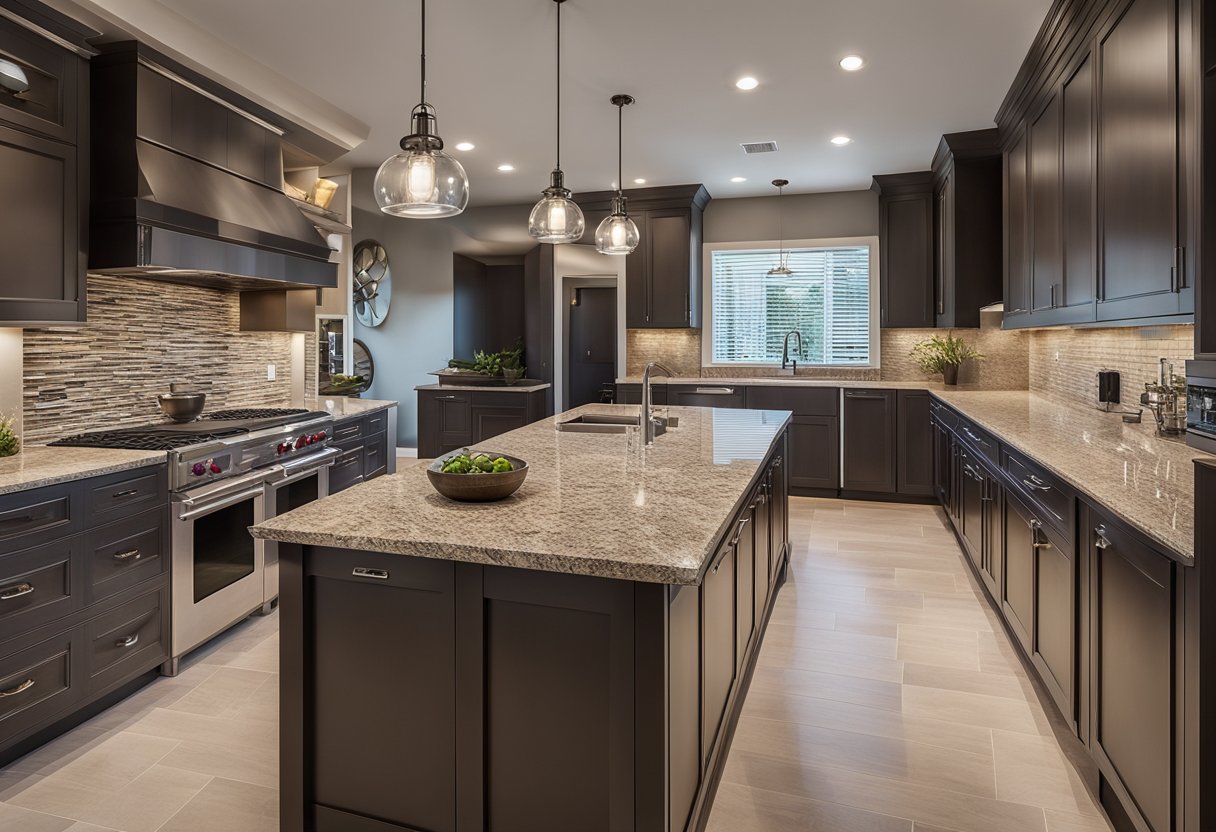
x=373, y=283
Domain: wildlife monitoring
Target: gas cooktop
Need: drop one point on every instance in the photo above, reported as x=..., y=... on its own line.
x=170, y=436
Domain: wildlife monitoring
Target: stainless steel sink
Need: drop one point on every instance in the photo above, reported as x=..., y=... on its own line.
x=604, y=423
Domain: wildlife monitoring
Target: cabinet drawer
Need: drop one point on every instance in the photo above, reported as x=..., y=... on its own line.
x=125, y=553
x=1050, y=497
x=708, y=395
x=113, y=498
x=127, y=641
x=803, y=401
x=346, y=431
x=979, y=439
x=375, y=460
x=39, y=585
x=38, y=683
x=347, y=470
x=943, y=415
x=28, y=518
x=375, y=423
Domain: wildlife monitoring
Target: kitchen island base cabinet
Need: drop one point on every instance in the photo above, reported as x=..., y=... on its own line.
x=458, y=697
x=449, y=420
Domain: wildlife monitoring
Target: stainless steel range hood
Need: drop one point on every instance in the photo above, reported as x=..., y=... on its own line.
x=187, y=185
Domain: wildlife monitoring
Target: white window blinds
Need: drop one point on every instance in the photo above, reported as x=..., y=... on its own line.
x=827, y=299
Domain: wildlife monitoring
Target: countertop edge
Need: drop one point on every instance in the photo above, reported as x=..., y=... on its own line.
x=1167, y=548
x=82, y=474
x=490, y=388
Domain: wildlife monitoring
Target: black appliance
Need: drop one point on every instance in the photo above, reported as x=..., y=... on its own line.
x=1201, y=405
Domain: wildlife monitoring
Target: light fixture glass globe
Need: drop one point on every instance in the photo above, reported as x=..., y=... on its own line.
x=617, y=234
x=557, y=219
x=424, y=183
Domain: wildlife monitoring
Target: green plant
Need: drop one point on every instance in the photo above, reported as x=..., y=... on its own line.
x=936, y=354
x=10, y=444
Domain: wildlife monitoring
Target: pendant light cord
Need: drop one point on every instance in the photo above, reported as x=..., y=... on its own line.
x=423, y=98
x=559, y=84
x=620, y=153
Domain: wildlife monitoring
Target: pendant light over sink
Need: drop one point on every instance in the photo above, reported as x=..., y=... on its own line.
x=782, y=269
x=557, y=218
x=618, y=234
x=422, y=181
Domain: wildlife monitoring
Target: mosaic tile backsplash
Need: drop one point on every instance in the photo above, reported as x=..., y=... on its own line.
x=141, y=336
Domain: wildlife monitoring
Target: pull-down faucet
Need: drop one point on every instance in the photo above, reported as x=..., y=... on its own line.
x=648, y=424
x=785, y=353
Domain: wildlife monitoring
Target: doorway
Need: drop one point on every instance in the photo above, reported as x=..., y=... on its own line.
x=591, y=339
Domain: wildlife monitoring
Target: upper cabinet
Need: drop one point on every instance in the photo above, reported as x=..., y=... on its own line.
x=44, y=151
x=906, y=250
x=663, y=275
x=966, y=227
x=1095, y=133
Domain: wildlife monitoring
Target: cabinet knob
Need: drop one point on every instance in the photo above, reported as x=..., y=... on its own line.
x=1102, y=541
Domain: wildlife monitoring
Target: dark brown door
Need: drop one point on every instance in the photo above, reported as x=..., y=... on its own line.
x=717, y=645
x=444, y=422
x=1137, y=163
x=943, y=465
x=972, y=491
x=1021, y=533
x=1046, y=261
x=779, y=515
x=670, y=267
x=1055, y=613
x=915, y=463
x=1080, y=275
x=869, y=441
x=993, y=563
x=945, y=262
x=762, y=563
x=592, y=353
x=1017, y=235
x=906, y=229
x=745, y=577
x=815, y=453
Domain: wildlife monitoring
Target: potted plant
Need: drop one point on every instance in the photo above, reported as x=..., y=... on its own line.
x=10, y=443
x=944, y=355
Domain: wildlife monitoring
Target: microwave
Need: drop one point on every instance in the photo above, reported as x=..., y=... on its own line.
x=1201, y=405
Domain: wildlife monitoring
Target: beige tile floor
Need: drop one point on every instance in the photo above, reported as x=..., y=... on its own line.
x=886, y=697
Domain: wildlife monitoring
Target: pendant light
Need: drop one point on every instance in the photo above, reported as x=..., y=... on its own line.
x=618, y=234
x=782, y=269
x=557, y=218
x=422, y=181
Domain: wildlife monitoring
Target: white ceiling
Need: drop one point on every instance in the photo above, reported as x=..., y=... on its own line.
x=934, y=66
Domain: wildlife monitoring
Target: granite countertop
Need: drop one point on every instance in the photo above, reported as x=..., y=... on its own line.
x=1149, y=482
x=590, y=504
x=342, y=407
x=38, y=465
x=793, y=381
x=491, y=388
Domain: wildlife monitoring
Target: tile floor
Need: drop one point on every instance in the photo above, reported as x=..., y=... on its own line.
x=886, y=698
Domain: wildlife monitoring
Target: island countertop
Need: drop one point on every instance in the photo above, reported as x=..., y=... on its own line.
x=591, y=504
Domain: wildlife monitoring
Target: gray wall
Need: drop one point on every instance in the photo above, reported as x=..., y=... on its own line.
x=804, y=217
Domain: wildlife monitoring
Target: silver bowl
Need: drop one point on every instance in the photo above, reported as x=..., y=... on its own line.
x=477, y=488
x=181, y=407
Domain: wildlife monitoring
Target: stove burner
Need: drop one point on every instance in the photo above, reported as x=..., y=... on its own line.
x=254, y=413
x=142, y=439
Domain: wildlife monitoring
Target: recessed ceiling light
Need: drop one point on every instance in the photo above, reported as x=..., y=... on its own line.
x=852, y=63
x=639, y=181
x=507, y=168
x=841, y=141
x=747, y=82
x=465, y=146
x=737, y=179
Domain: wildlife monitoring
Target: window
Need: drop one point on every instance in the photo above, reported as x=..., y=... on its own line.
x=829, y=299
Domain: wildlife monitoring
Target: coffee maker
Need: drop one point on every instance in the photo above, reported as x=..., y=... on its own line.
x=1167, y=399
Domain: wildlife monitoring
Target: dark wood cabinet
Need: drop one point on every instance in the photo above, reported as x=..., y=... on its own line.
x=1046, y=262
x=744, y=542
x=451, y=420
x=967, y=227
x=44, y=152
x=718, y=665
x=663, y=275
x=538, y=318
x=814, y=455
x=707, y=395
x=973, y=494
x=905, y=234
x=869, y=456
x=365, y=445
x=1075, y=298
x=914, y=466
x=1017, y=234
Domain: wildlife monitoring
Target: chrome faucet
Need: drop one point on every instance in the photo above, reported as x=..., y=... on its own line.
x=785, y=353
x=648, y=420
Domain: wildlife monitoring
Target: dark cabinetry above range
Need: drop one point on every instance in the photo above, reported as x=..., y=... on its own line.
x=1099, y=135
x=44, y=160
x=663, y=275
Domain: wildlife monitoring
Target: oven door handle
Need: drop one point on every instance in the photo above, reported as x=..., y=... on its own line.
x=216, y=505
x=306, y=467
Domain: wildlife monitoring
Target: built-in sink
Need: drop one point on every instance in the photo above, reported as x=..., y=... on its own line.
x=605, y=423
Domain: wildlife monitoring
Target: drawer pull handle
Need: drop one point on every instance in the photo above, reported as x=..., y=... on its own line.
x=739, y=532
x=127, y=641
x=129, y=555
x=21, y=688
x=1035, y=483
x=1103, y=542
x=130, y=492
x=16, y=591
x=716, y=391
x=365, y=572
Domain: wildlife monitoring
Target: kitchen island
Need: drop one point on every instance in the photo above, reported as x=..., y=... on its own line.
x=572, y=658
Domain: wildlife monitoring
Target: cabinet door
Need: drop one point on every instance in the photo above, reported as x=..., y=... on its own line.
x=1137, y=163
x=1017, y=597
x=815, y=453
x=42, y=278
x=869, y=441
x=1017, y=269
x=1132, y=643
x=915, y=463
x=669, y=267
x=718, y=639
x=744, y=544
x=993, y=562
x=943, y=468
x=1080, y=274
x=637, y=276
x=906, y=232
x=972, y=498
x=1046, y=261
x=779, y=532
x=945, y=261
x=491, y=421
x=1055, y=613
x=763, y=541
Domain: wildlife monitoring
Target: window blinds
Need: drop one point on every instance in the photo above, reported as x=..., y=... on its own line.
x=827, y=300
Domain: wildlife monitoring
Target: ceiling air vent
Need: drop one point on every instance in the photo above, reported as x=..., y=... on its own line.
x=759, y=147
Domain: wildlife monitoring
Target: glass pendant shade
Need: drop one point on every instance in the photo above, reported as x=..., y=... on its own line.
x=422, y=183
x=618, y=233
x=557, y=218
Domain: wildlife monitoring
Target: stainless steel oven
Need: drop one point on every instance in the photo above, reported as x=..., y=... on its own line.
x=218, y=567
x=289, y=486
x=1201, y=405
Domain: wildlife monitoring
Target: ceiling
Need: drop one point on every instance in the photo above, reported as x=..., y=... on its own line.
x=933, y=67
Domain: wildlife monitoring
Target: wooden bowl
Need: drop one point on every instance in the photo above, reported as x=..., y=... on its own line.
x=477, y=488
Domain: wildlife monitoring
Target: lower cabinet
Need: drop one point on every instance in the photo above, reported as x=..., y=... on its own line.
x=870, y=441
x=718, y=646
x=451, y=420
x=815, y=454
x=914, y=463
x=365, y=447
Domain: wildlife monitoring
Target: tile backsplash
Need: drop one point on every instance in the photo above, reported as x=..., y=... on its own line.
x=140, y=336
x=1064, y=363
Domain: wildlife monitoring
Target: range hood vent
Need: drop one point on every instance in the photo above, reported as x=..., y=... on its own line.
x=187, y=186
